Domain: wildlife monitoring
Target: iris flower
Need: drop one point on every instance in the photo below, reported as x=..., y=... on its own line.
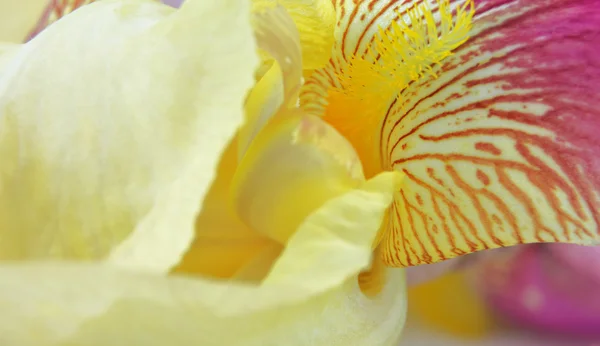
x=236, y=173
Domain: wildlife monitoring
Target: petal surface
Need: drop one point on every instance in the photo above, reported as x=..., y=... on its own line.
x=499, y=149
x=313, y=287
x=111, y=136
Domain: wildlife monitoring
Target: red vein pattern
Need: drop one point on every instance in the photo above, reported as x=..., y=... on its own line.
x=503, y=147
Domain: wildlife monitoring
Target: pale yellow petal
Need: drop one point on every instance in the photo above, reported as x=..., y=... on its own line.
x=310, y=297
x=111, y=135
x=93, y=305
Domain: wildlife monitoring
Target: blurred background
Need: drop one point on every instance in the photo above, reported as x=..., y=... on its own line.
x=534, y=295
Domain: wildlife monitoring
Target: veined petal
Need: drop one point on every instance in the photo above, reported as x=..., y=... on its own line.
x=358, y=28
x=501, y=149
x=313, y=286
x=111, y=135
x=381, y=48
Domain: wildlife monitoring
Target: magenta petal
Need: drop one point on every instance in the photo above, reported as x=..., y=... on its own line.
x=536, y=289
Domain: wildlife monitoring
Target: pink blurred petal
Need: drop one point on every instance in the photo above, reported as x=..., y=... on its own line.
x=583, y=259
x=536, y=289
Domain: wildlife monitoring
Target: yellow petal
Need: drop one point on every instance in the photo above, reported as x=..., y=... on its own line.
x=312, y=287
x=111, y=136
x=279, y=87
x=18, y=18
x=315, y=20
x=293, y=167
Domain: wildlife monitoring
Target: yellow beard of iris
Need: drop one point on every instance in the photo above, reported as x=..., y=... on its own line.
x=400, y=54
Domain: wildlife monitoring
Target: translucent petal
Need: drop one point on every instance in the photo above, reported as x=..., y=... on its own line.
x=111, y=135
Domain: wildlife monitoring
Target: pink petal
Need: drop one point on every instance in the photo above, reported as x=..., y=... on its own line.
x=535, y=288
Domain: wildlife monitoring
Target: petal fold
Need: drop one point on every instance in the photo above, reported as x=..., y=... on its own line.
x=313, y=285
x=111, y=135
